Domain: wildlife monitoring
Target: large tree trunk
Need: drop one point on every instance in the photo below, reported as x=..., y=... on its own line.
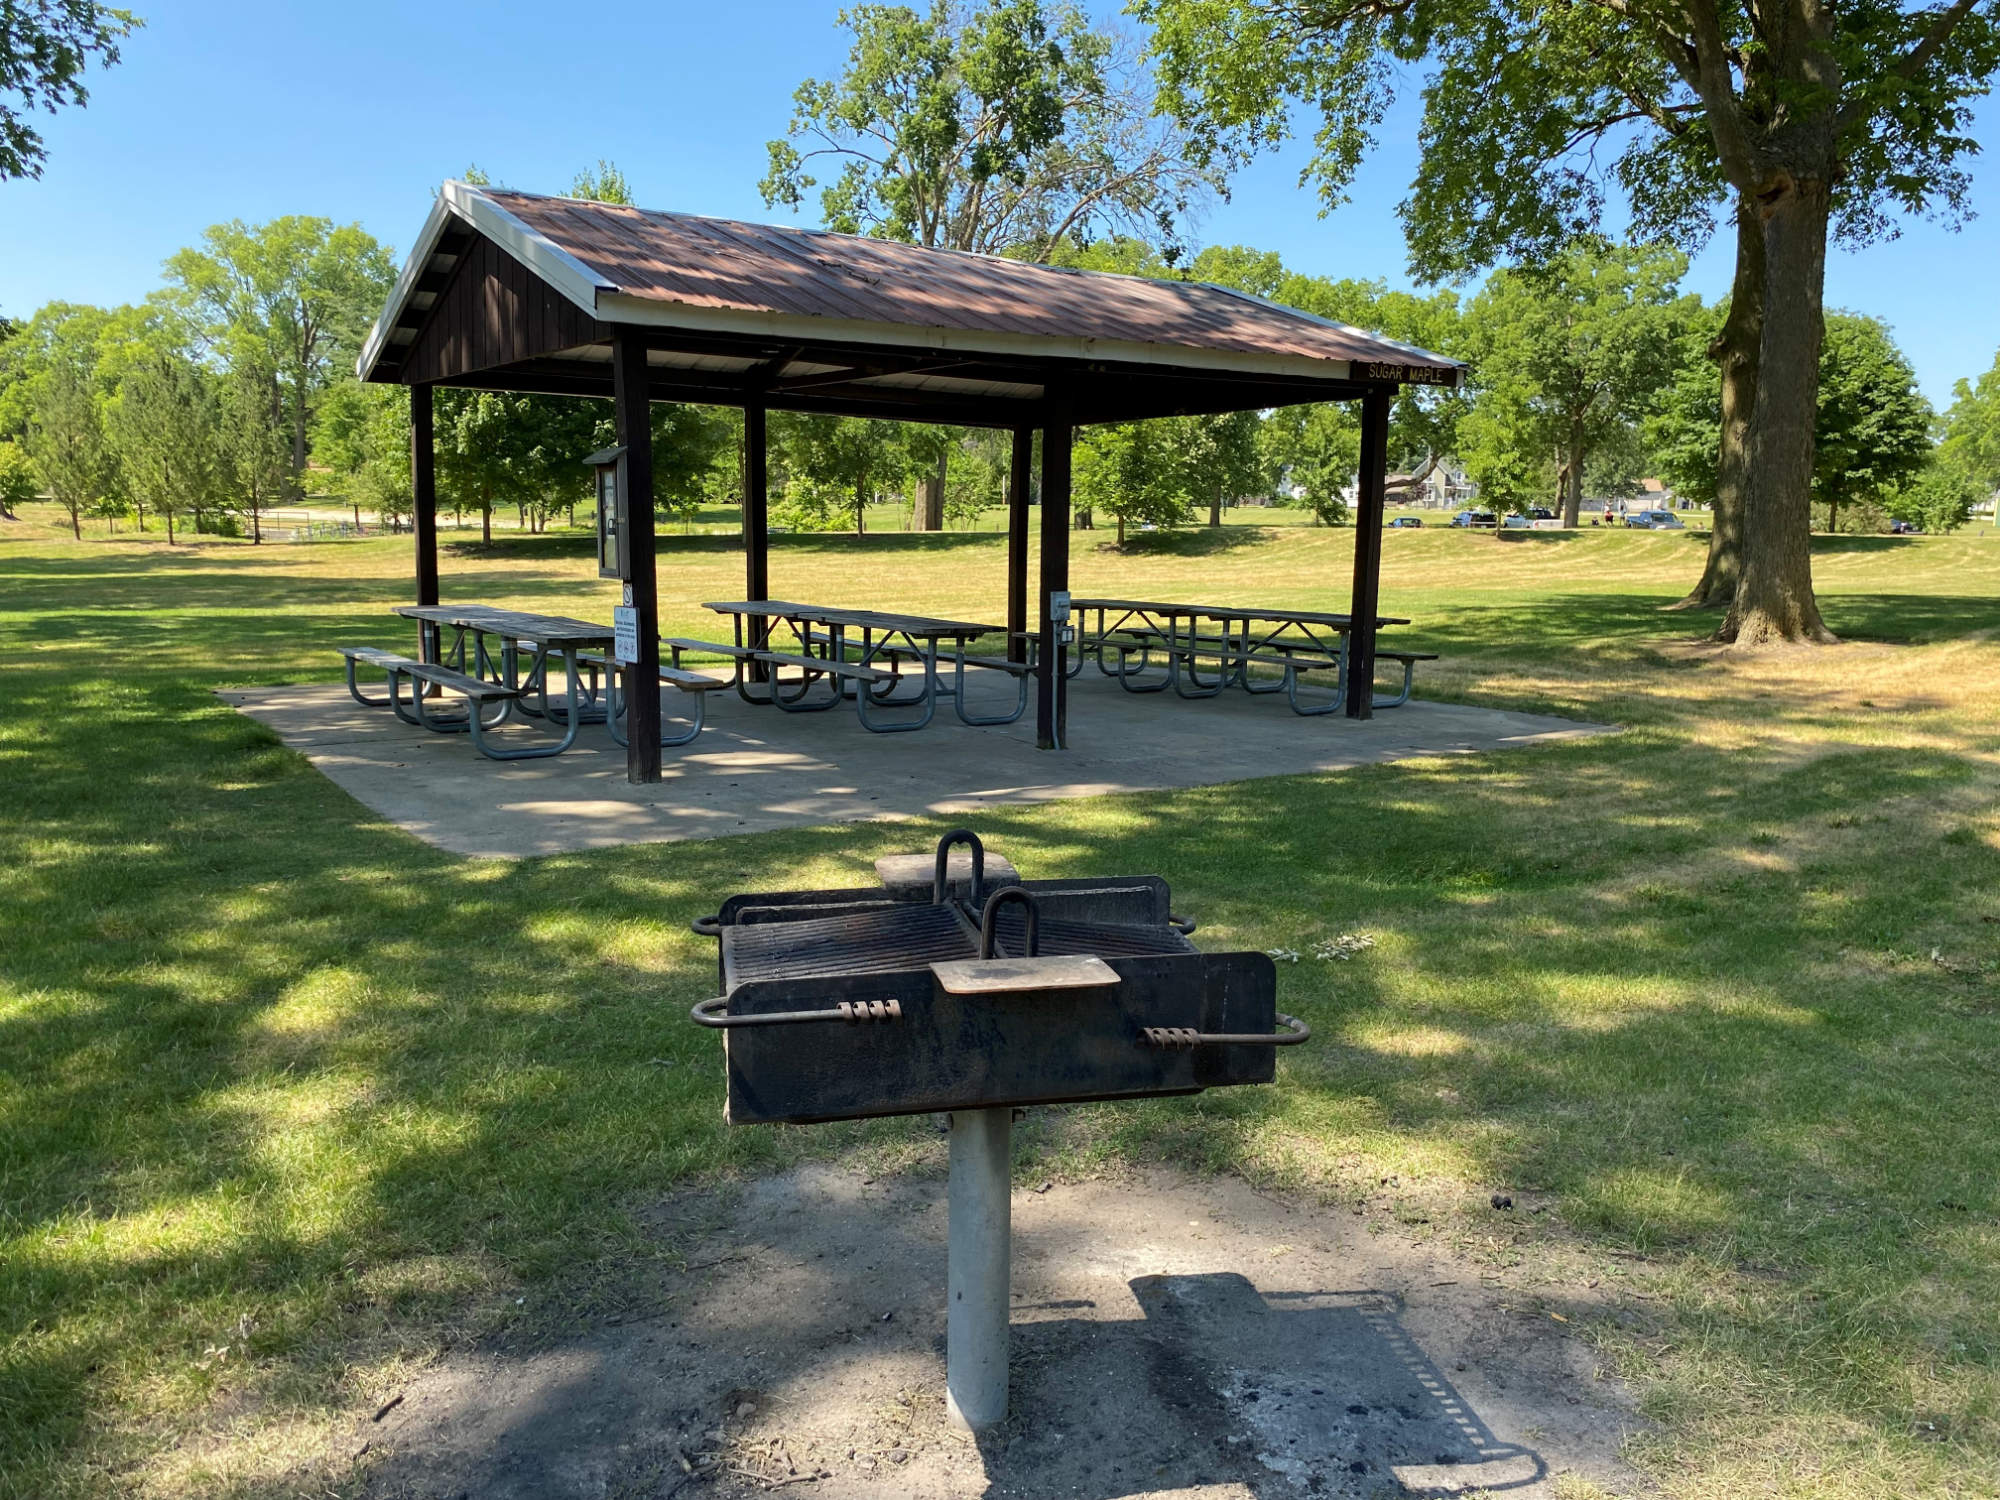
x=1573, y=479
x=1214, y=508
x=486, y=524
x=930, y=498
x=299, y=439
x=1735, y=352
x=1774, y=599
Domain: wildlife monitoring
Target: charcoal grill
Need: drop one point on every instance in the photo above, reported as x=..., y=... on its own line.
x=973, y=998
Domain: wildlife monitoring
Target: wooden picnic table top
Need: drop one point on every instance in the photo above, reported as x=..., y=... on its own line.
x=859, y=619
x=1230, y=612
x=543, y=630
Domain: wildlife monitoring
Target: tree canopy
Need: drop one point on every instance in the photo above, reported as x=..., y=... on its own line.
x=1970, y=430
x=295, y=296
x=1568, y=357
x=45, y=48
x=999, y=125
x=1808, y=118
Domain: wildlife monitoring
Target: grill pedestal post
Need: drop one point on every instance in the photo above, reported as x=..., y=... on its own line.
x=979, y=1200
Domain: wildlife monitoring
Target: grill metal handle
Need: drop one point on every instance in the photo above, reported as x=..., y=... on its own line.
x=707, y=926
x=940, y=883
x=1183, y=925
x=989, y=921
x=709, y=1013
x=1295, y=1031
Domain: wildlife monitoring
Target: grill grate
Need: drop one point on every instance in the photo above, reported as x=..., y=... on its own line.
x=875, y=942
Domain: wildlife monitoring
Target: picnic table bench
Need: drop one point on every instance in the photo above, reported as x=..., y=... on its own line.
x=482, y=664
x=696, y=684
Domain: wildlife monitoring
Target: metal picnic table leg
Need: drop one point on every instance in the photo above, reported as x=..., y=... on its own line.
x=530, y=752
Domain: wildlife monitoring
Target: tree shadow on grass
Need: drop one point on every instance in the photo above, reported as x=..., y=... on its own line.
x=1180, y=541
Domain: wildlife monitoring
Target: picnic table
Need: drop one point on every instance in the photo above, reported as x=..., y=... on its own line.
x=859, y=650
x=1233, y=638
x=482, y=626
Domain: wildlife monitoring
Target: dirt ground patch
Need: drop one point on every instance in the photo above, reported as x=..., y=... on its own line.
x=1171, y=1337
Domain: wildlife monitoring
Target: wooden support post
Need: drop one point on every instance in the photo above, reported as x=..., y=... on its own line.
x=632, y=402
x=1366, y=598
x=1017, y=543
x=1052, y=680
x=423, y=511
x=757, y=523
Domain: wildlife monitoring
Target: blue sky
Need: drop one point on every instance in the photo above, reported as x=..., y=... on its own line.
x=357, y=110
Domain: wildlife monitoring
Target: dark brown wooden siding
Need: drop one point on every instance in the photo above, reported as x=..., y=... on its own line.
x=494, y=311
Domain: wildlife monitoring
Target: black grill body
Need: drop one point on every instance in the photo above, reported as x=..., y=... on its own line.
x=914, y=1012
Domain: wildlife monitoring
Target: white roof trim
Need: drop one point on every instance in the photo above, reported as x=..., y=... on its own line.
x=405, y=287
x=620, y=307
x=537, y=251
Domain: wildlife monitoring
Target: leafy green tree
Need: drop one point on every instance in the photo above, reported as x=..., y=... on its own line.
x=1314, y=452
x=1970, y=431
x=603, y=184
x=65, y=435
x=45, y=46
x=832, y=466
x=1219, y=459
x=166, y=431
x=1872, y=436
x=484, y=457
x=1129, y=470
x=1796, y=119
x=1008, y=126
x=1005, y=126
x=18, y=482
x=1316, y=448
x=977, y=475
x=1511, y=473
x=295, y=296
x=1872, y=432
x=1938, y=500
x=1568, y=355
x=362, y=435
x=696, y=454
x=252, y=455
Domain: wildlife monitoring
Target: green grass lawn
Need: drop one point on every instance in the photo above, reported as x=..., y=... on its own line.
x=289, y=1100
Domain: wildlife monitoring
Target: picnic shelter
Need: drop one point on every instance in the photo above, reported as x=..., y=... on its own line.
x=520, y=292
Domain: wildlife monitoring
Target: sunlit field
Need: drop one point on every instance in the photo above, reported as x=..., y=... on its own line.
x=290, y=1101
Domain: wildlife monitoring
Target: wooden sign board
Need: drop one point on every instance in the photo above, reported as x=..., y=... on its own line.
x=1407, y=374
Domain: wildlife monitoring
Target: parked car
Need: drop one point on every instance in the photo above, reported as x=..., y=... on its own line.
x=1402, y=523
x=1540, y=513
x=1655, y=520
x=1905, y=528
x=1515, y=521
x=1473, y=518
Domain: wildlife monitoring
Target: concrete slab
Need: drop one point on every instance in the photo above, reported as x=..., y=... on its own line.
x=757, y=768
x=1170, y=1337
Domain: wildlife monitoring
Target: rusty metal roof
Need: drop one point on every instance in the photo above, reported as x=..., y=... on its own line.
x=642, y=266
